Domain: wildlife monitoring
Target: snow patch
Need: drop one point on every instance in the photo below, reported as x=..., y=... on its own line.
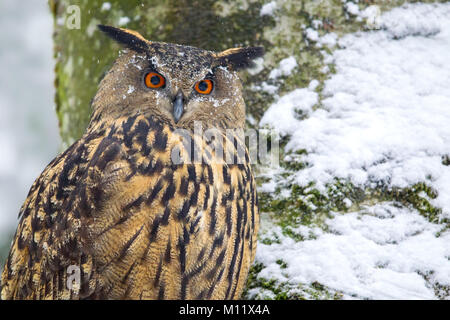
x=284, y=69
x=328, y=40
x=283, y=115
x=257, y=67
x=373, y=254
x=268, y=9
x=384, y=118
x=123, y=21
x=106, y=6
x=417, y=20
x=352, y=8
x=312, y=34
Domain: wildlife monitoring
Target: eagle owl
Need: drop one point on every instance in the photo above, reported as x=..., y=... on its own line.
x=143, y=206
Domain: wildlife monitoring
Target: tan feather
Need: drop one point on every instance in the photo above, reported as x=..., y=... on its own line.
x=137, y=228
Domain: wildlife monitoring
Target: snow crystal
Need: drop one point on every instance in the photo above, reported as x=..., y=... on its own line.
x=105, y=6
x=257, y=67
x=347, y=202
x=421, y=20
x=285, y=68
x=328, y=40
x=317, y=24
x=312, y=34
x=372, y=16
x=269, y=88
x=268, y=8
x=352, y=8
x=123, y=21
x=313, y=84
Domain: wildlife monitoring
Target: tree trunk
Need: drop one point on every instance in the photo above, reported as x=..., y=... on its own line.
x=83, y=55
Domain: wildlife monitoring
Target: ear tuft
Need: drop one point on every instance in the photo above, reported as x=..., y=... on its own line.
x=129, y=38
x=239, y=58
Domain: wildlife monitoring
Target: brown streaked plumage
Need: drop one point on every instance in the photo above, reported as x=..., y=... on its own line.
x=116, y=205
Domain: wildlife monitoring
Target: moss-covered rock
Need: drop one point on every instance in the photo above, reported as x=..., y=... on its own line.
x=291, y=29
x=274, y=290
x=291, y=205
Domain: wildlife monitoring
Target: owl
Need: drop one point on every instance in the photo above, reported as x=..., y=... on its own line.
x=157, y=200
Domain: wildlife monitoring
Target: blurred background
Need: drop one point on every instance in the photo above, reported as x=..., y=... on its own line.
x=29, y=136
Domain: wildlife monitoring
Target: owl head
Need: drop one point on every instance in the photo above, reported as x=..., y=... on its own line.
x=176, y=84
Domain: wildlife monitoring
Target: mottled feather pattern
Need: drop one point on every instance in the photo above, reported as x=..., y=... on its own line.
x=137, y=209
x=137, y=225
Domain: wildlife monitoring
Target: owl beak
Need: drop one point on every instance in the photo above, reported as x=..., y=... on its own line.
x=178, y=106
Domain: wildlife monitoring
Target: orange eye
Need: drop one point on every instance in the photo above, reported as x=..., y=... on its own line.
x=204, y=86
x=154, y=80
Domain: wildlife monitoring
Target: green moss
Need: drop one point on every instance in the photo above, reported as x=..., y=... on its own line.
x=292, y=205
x=282, y=264
x=82, y=57
x=446, y=160
x=441, y=291
x=308, y=206
x=418, y=196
